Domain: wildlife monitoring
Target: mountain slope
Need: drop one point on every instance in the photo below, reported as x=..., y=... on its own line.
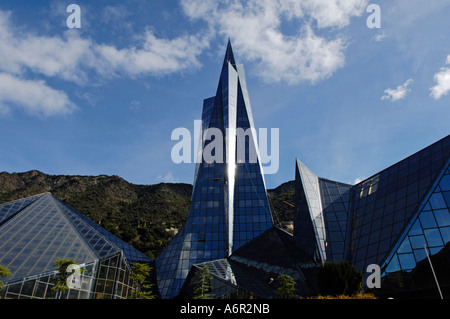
x=145, y=216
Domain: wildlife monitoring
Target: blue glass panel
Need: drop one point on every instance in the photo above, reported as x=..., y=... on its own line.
x=407, y=261
x=433, y=237
x=420, y=254
x=405, y=247
x=445, y=232
x=417, y=241
x=442, y=217
x=427, y=220
x=445, y=183
x=416, y=229
x=437, y=201
x=393, y=265
x=447, y=198
x=431, y=228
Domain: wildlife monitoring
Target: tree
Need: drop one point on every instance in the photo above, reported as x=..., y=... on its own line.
x=142, y=288
x=4, y=272
x=61, y=277
x=339, y=278
x=203, y=286
x=287, y=287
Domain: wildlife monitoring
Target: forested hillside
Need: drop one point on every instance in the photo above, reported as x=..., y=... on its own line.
x=145, y=216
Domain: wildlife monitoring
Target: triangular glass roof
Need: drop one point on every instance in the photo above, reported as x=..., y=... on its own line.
x=9, y=209
x=429, y=228
x=38, y=230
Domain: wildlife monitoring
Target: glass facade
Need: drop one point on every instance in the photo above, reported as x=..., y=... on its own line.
x=309, y=226
x=229, y=204
x=38, y=230
x=384, y=204
x=335, y=200
x=252, y=269
x=429, y=229
x=386, y=219
x=105, y=279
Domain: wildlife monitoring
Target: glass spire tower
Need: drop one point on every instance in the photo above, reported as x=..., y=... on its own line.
x=229, y=205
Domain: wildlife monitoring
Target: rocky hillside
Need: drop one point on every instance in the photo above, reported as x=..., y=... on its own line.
x=146, y=216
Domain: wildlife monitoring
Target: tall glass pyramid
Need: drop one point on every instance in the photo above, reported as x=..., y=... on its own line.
x=229, y=205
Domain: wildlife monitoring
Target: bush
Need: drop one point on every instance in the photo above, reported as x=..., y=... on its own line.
x=339, y=279
x=356, y=296
x=287, y=287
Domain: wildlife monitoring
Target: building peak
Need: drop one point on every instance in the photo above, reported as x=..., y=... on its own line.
x=229, y=56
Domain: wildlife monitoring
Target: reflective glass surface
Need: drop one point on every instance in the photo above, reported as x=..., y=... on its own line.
x=37, y=236
x=102, y=241
x=43, y=229
x=252, y=214
x=366, y=223
x=309, y=226
x=229, y=204
x=430, y=229
x=248, y=271
x=335, y=202
x=384, y=204
x=8, y=210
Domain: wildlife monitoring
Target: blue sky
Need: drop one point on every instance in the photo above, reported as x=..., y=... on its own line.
x=348, y=100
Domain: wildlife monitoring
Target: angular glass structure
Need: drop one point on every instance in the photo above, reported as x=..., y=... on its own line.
x=38, y=230
x=252, y=270
x=321, y=215
x=229, y=205
x=389, y=219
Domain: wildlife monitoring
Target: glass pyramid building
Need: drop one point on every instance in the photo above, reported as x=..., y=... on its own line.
x=391, y=219
x=38, y=230
x=229, y=205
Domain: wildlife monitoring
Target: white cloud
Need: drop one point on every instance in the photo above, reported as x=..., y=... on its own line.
x=156, y=56
x=70, y=57
x=35, y=97
x=49, y=56
x=399, y=93
x=442, y=79
x=254, y=27
x=380, y=36
x=168, y=178
x=358, y=180
x=255, y=30
x=81, y=60
x=335, y=13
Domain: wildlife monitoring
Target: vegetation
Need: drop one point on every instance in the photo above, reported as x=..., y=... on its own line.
x=140, y=281
x=287, y=287
x=339, y=278
x=61, y=279
x=138, y=214
x=281, y=203
x=4, y=273
x=145, y=216
x=359, y=295
x=202, y=287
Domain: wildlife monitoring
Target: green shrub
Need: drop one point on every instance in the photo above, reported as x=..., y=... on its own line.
x=287, y=287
